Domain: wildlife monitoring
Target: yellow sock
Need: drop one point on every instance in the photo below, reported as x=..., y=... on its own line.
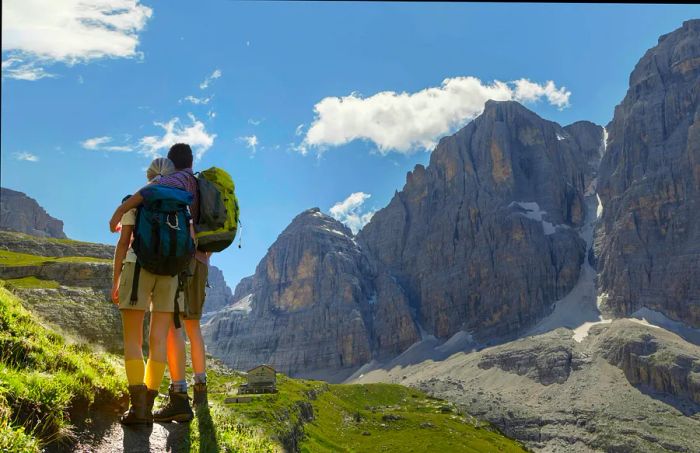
x=154, y=374
x=134, y=371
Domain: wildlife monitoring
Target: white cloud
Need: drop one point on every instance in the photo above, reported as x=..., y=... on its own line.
x=349, y=211
x=37, y=33
x=406, y=122
x=211, y=114
x=526, y=91
x=101, y=144
x=197, y=101
x=251, y=142
x=194, y=135
x=14, y=68
x=255, y=122
x=210, y=78
x=299, y=130
x=29, y=157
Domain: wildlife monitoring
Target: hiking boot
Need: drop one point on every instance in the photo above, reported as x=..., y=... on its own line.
x=200, y=394
x=150, y=400
x=177, y=409
x=138, y=413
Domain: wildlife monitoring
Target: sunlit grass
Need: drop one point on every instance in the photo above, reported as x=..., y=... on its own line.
x=32, y=283
x=15, y=259
x=42, y=377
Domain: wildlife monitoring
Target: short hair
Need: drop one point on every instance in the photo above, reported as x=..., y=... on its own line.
x=181, y=155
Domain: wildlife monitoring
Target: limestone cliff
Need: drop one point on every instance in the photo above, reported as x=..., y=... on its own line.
x=219, y=294
x=483, y=238
x=648, y=242
x=315, y=303
x=18, y=212
x=67, y=285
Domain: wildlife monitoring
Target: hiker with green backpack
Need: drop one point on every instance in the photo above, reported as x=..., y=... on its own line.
x=214, y=210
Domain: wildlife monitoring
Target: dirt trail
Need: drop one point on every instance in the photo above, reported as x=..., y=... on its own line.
x=104, y=434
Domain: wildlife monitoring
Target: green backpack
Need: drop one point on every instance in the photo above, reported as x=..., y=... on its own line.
x=218, y=211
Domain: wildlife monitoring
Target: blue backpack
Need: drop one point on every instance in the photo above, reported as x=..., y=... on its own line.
x=162, y=240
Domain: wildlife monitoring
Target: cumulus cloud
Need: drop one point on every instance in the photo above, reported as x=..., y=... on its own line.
x=29, y=157
x=526, y=91
x=102, y=144
x=210, y=78
x=197, y=101
x=349, y=211
x=406, y=122
x=299, y=130
x=195, y=135
x=37, y=33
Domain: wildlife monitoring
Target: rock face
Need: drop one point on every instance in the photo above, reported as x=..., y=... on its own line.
x=91, y=275
x=546, y=363
x=18, y=212
x=315, y=303
x=32, y=245
x=219, y=294
x=80, y=306
x=648, y=242
x=655, y=359
x=482, y=239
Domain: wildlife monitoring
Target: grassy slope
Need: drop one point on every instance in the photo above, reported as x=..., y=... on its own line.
x=19, y=235
x=15, y=259
x=43, y=378
x=361, y=418
x=32, y=283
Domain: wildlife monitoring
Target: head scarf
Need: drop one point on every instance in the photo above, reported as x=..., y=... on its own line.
x=161, y=166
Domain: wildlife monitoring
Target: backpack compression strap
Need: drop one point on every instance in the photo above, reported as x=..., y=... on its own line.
x=176, y=311
x=135, y=284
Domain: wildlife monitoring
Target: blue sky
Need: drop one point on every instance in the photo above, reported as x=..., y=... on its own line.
x=79, y=136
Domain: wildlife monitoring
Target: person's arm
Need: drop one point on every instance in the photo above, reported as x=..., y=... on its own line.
x=132, y=202
x=119, y=255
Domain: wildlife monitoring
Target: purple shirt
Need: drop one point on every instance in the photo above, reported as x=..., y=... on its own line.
x=185, y=180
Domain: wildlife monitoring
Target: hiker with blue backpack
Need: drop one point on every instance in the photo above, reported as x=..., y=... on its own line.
x=182, y=250
x=137, y=289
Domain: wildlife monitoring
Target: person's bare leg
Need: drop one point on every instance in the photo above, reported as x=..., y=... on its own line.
x=199, y=364
x=132, y=323
x=197, y=350
x=178, y=406
x=157, y=348
x=176, y=354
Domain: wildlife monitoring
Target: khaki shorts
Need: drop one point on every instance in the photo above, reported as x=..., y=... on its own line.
x=195, y=290
x=155, y=292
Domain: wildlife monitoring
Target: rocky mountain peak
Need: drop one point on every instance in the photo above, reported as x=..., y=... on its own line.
x=503, y=189
x=649, y=233
x=21, y=213
x=313, y=221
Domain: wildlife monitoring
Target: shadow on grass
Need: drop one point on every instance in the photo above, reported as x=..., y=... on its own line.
x=207, y=431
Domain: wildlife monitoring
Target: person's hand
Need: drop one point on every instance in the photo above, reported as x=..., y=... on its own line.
x=115, y=293
x=114, y=222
